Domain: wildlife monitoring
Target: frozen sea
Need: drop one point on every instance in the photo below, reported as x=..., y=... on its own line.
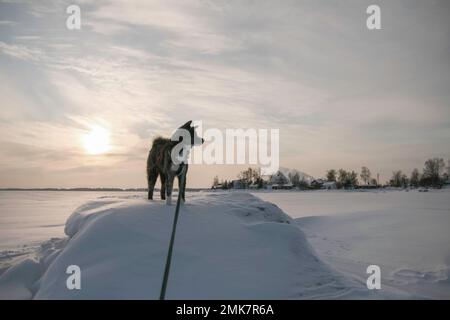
x=405, y=233
x=30, y=217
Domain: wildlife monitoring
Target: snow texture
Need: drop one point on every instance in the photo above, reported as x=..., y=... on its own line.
x=228, y=246
x=405, y=233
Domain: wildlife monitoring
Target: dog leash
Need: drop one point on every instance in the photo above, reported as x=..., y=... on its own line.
x=172, y=238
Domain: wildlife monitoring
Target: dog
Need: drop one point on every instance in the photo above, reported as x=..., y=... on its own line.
x=162, y=161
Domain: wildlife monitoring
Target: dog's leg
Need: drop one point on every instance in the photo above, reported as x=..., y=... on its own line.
x=163, y=186
x=169, y=188
x=152, y=176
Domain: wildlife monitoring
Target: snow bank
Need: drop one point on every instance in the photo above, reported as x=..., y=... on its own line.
x=228, y=245
x=405, y=233
x=412, y=250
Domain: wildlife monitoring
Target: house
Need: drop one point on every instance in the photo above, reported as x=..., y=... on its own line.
x=237, y=184
x=253, y=186
x=446, y=184
x=368, y=186
x=279, y=181
x=329, y=185
x=317, y=183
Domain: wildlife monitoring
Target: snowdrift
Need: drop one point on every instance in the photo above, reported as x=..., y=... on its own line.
x=405, y=233
x=228, y=246
x=410, y=246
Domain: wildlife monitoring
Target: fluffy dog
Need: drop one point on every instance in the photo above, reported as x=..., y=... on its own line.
x=168, y=159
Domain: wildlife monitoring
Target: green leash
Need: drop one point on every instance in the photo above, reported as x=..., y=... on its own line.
x=172, y=239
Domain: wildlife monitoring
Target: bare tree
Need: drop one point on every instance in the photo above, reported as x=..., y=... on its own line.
x=342, y=178
x=347, y=179
x=399, y=179
x=432, y=172
x=415, y=178
x=365, y=175
x=216, y=181
x=353, y=179
x=331, y=175
x=448, y=170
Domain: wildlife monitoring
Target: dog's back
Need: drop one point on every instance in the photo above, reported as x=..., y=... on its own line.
x=157, y=153
x=158, y=157
x=159, y=164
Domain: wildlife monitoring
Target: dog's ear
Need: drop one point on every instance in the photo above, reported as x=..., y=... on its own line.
x=187, y=125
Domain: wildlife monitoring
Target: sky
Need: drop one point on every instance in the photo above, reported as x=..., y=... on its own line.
x=342, y=96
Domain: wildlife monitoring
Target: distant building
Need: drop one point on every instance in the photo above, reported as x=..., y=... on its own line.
x=279, y=181
x=278, y=178
x=368, y=186
x=317, y=183
x=446, y=184
x=253, y=186
x=329, y=185
x=237, y=184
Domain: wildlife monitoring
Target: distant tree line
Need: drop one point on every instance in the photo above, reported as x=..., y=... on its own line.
x=251, y=177
x=298, y=182
x=434, y=174
x=222, y=184
x=344, y=179
x=246, y=178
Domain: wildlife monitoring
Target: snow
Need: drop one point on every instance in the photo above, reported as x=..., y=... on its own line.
x=31, y=217
x=301, y=175
x=405, y=233
x=28, y=218
x=228, y=246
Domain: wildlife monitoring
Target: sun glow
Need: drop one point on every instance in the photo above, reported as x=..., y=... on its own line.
x=96, y=141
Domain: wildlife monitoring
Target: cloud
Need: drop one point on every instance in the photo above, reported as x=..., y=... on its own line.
x=187, y=25
x=20, y=51
x=7, y=23
x=340, y=94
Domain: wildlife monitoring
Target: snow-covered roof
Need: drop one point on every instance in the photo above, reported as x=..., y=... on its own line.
x=285, y=171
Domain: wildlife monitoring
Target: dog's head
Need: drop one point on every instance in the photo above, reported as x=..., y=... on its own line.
x=195, y=139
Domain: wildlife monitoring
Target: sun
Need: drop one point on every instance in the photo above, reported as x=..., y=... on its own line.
x=96, y=141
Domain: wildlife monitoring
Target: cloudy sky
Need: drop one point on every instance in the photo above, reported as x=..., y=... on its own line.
x=342, y=96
